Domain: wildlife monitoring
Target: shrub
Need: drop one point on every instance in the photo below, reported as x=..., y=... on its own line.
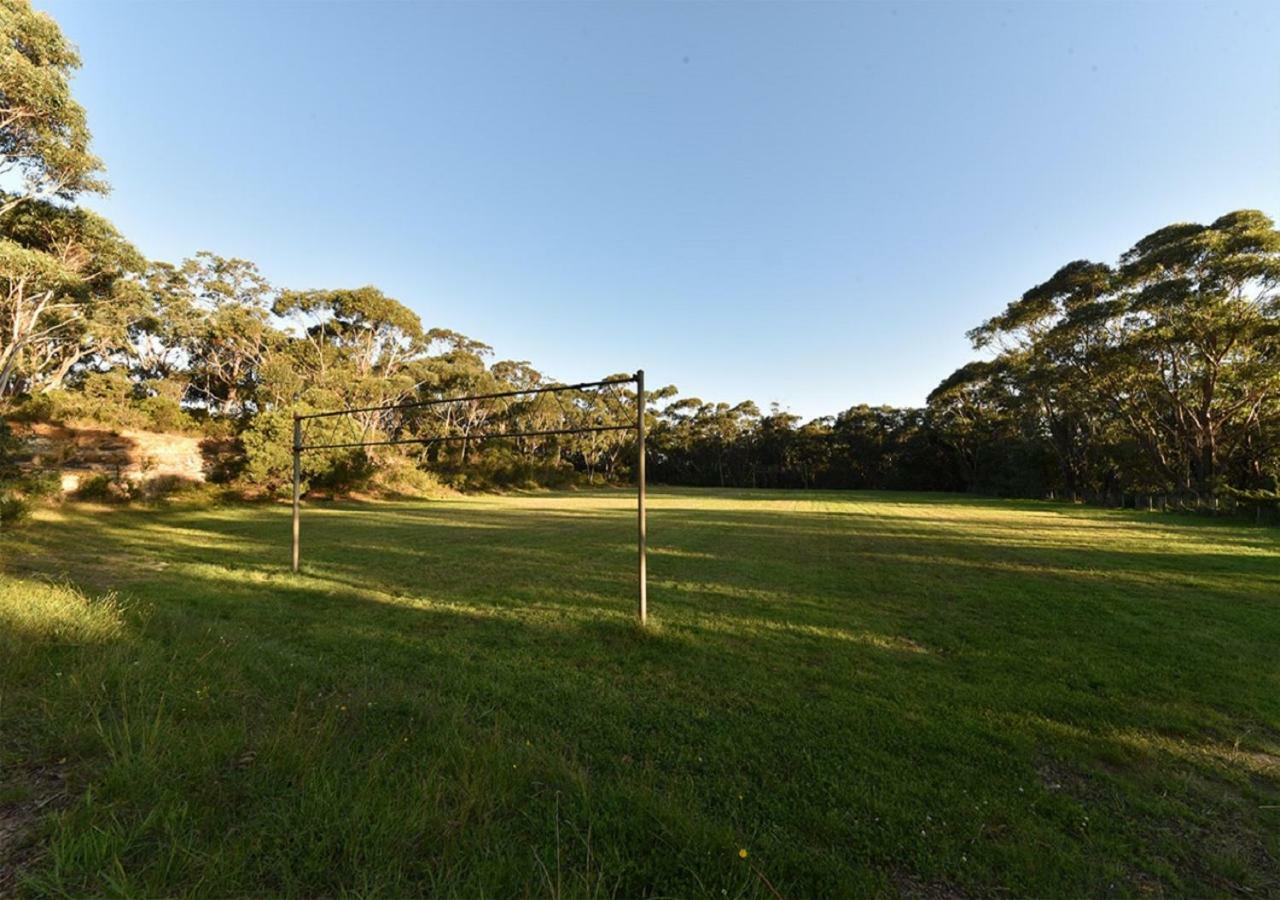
x=215, y=429
x=501, y=468
x=341, y=471
x=112, y=387
x=48, y=407
x=164, y=414
x=399, y=476
x=169, y=488
x=14, y=511
x=111, y=399
x=10, y=447
x=268, y=456
x=104, y=488
x=41, y=485
x=268, y=459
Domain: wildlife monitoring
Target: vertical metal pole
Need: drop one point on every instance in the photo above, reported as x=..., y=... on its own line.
x=642, y=536
x=297, y=482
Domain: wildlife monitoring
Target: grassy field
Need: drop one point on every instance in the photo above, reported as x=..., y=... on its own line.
x=890, y=693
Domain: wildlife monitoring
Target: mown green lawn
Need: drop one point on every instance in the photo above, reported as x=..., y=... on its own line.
x=893, y=693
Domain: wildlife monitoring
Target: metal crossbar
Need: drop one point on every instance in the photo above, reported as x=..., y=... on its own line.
x=415, y=404
x=638, y=426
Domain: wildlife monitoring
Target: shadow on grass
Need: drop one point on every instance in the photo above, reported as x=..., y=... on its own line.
x=851, y=672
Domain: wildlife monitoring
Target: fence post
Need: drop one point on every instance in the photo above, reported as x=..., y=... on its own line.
x=642, y=531
x=297, y=482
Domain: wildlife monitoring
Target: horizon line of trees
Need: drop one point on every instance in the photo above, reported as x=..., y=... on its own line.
x=1157, y=375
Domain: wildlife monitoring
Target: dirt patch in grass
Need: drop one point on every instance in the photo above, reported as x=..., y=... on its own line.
x=1228, y=837
x=25, y=798
x=1057, y=776
x=1141, y=883
x=913, y=887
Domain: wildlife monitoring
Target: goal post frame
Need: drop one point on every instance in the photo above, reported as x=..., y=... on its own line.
x=638, y=426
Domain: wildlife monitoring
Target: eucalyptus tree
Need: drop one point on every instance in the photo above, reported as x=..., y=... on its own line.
x=673, y=439
x=727, y=427
x=772, y=448
x=158, y=348
x=1199, y=347
x=458, y=369
x=971, y=413
x=810, y=458
x=44, y=136
x=65, y=296
x=535, y=412
x=1162, y=373
x=234, y=333
x=695, y=442
x=1052, y=341
x=356, y=347
x=373, y=333
x=863, y=444
x=64, y=299
x=614, y=405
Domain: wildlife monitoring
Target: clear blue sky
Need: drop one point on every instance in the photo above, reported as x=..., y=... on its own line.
x=807, y=204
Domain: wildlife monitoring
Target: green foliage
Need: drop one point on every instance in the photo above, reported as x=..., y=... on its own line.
x=1158, y=375
x=43, y=133
x=229, y=335
x=398, y=476
x=21, y=486
x=10, y=450
x=1154, y=376
x=268, y=453
x=103, y=487
x=39, y=484
x=342, y=471
x=66, y=298
x=500, y=467
x=109, y=398
x=15, y=510
x=40, y=408
x=175, y=489
x=159, y=413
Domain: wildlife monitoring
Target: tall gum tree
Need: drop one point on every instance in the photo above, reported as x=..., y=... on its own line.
x=233, y=335
x=65, y=294
x=1200, y=336
x=1045, y=346
x=44, y=136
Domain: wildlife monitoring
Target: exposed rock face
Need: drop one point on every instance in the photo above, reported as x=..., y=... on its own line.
x=125, y=453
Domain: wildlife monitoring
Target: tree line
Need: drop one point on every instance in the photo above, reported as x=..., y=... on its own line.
x=1157, y=375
